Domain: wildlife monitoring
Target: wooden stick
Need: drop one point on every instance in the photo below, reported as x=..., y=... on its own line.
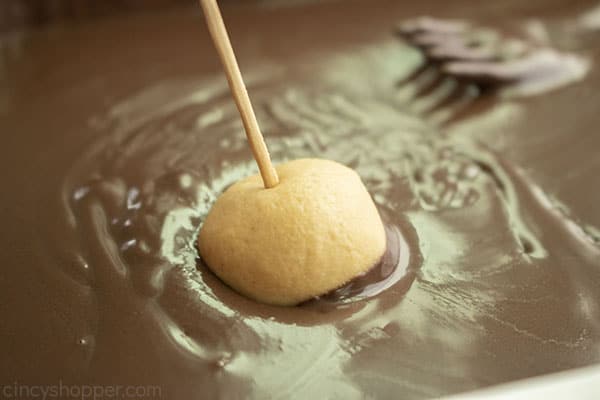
x=218, y=32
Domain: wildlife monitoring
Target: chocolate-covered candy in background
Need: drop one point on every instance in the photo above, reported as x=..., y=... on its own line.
x=118, y=135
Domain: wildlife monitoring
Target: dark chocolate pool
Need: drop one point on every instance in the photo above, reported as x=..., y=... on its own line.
x=117, y=135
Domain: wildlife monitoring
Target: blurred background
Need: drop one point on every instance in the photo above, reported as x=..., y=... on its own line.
x=17, y=15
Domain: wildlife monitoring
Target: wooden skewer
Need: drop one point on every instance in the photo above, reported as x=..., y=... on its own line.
x=218, y=32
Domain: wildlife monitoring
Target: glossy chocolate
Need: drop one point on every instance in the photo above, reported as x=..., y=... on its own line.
x=117, y=136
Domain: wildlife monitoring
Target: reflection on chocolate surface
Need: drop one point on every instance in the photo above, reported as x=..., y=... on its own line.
x=119, y=135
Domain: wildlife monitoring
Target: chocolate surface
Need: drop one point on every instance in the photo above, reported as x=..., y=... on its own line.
x=117, y=136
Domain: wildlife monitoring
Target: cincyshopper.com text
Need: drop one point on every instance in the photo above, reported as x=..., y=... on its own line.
x=62, y=391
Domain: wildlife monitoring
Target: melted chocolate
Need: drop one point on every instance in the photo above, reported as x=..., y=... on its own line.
x=118, y=135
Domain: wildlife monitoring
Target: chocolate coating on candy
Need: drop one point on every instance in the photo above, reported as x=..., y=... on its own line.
x=315, y=231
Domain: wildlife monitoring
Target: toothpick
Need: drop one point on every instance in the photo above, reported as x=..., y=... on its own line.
x=218, y=32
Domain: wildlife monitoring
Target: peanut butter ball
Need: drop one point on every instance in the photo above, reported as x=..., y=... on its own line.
x=312, y=233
